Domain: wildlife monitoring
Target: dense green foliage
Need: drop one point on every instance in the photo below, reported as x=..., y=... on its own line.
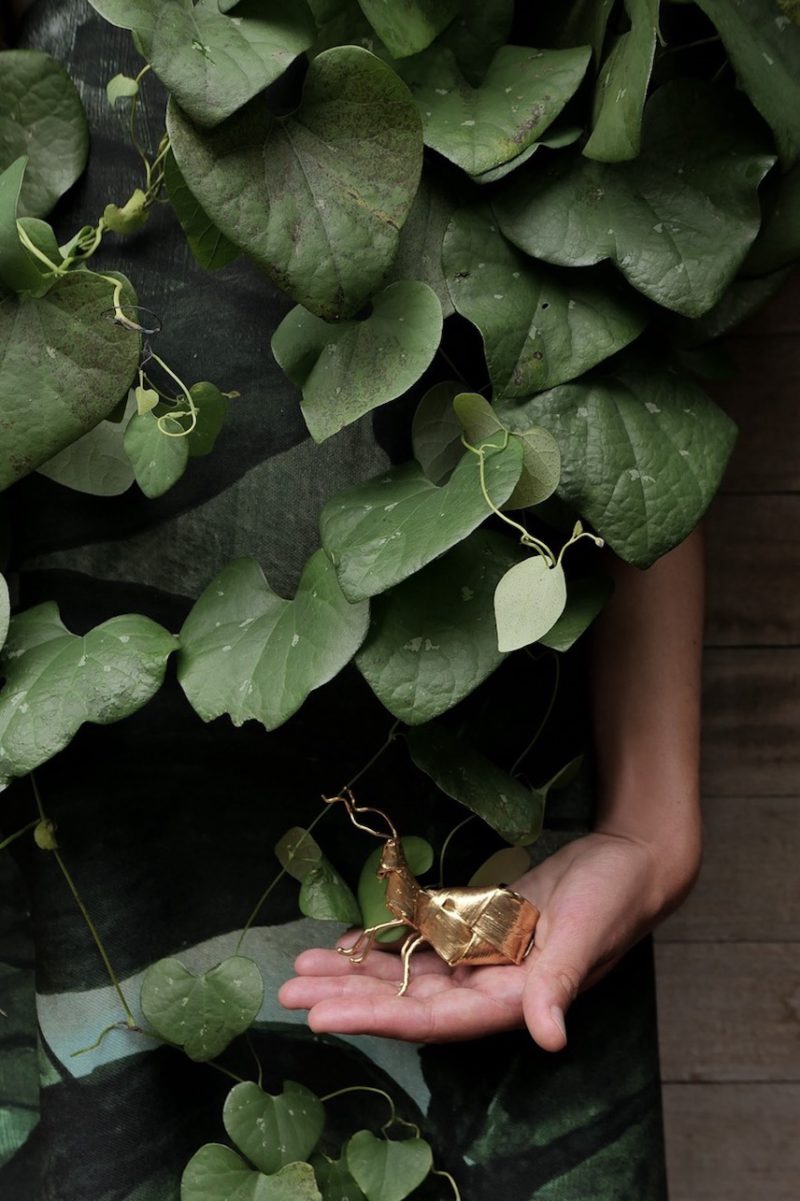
x=593, y=194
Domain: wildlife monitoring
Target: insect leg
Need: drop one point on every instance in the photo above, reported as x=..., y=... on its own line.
x=368, y=936
x=409, y=947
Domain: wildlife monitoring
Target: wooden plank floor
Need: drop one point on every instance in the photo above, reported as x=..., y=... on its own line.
x=729, y=961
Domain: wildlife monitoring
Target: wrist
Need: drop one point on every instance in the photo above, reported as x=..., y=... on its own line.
x=673, y=850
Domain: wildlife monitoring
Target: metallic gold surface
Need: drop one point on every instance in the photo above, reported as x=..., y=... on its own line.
x=474, y=926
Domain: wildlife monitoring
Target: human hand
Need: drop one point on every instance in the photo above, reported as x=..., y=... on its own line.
x=597, y=896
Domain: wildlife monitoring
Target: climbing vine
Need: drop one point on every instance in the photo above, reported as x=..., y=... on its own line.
x=592, y=198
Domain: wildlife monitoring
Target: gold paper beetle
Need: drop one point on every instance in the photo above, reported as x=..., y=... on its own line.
x=474, y=926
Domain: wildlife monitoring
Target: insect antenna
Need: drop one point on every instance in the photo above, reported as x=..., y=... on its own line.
x=349, y=802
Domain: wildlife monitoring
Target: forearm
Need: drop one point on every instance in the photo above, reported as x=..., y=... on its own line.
x=647, y=649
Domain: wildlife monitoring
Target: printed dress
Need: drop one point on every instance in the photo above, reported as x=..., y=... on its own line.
x=168, y=825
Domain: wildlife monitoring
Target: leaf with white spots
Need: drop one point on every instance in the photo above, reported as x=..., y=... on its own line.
x=384, y=530
x=350, y=368
x=55, y=680
x=273, y=1130
x=432, y=639
x=677, y=221
x=298, y=852
x=540, y=326
x=642, y=454
x=762, y=39
x=478, y=128
x=514, y=811
x=217, y=1173
x=528, y=602
x=202, y=1013
x=622, y=87
x=251, y=654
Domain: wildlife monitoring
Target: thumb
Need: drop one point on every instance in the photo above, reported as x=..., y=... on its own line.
x=553, y=982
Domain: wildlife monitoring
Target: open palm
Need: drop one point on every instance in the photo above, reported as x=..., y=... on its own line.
x=597, y=896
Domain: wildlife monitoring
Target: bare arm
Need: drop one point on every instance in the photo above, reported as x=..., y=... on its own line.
x=598, y=894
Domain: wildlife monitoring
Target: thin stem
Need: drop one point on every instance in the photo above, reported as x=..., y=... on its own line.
x=446, y=844
x=394, y=1120
x=540, y=728
x=525, y=538
x=232, y=1075
x=139, y=148
x=326, y=809
x=86, y=915
x=181, y=413
x=36, y=252
x=452, y=366
x=577, y=534
x=13, y=837
x=259, y=1069
x=447, y=1176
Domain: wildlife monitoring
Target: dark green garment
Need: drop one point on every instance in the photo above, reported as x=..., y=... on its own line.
x=168, y=825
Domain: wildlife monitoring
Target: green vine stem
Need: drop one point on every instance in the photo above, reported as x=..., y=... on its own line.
x=446, y=844
x=112, y=975
x=18, y=834
x=526, y=538
x=393, y=1119
x=326, y=809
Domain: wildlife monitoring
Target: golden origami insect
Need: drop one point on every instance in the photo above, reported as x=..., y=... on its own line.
x=477, y=926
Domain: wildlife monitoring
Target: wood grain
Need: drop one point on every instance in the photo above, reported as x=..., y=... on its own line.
x=749, y=885
x=753, y=570
x=762, y=400
x=750, y=722
x=732, y=1142
x=729, y=1011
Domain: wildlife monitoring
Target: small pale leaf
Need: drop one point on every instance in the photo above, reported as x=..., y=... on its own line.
x=528, y=602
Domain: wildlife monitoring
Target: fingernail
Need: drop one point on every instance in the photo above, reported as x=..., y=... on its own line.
x=558, y=1017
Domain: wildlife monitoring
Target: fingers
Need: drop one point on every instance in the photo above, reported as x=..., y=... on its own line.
x=557, y=972
x=381, y=964
x=303, y=992
x=450, y=1014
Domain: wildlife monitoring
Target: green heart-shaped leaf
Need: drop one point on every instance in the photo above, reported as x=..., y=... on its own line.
x=622, y=87
x=103, y=676
x=586, y=599
x=408, y=26
x=514, y=811
x=211, y=61
x=481, y=29
x=158, y=458
x=210, y=247
x=251, y=654
x=41, y=117
x=778, y=241
x=298, y=852
x=63, y=349
x=348, y=369
x=317, y=198
x=541, y=458
x=212, y=407
x=555, y=140
x=677, y=221
x=202, y=1013
x=96, y=463
x=436, y=432
x=383, y=530
x=20, y=270
x=642, y=454
x=432, y=639
x=216, y=1173
x=372, y=890
x=539, y=327
x=324, y=895
x=763, y=44
x=523, y=91
x=273, y=1131
x=528, y=602
x=121, y=87
x=386, y=1170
